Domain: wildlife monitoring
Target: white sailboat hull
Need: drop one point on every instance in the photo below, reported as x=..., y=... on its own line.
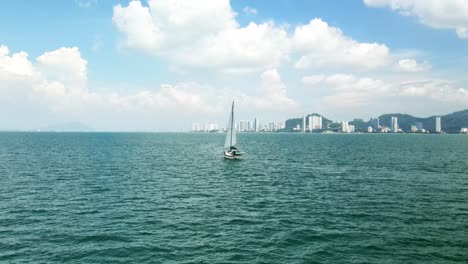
x=231, y=155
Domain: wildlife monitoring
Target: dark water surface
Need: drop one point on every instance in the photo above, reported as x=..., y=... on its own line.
x=171, y=198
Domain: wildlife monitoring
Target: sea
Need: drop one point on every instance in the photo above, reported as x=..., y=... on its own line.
x=172, y=198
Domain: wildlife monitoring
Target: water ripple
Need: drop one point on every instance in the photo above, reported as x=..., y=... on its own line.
x=172, y=198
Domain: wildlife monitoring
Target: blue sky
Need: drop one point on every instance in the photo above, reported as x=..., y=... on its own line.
x=356, y=59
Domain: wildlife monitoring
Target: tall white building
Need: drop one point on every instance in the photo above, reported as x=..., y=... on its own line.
x=438, y=124
x=256, y=125
x=344, y=126
x=394, y=124
x=304, y=124
x=319, y=122
x=315, y=122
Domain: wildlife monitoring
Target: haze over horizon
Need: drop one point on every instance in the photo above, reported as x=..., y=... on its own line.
x=158, y=65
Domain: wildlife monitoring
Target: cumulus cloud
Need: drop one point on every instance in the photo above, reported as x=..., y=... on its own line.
x=55, y=85
x=65, y=65
x=326, y=46
x=434, y=13
x=410, y=65
x=200, y=34
x=206, y=34
x=16, y=66
x=273, y=92
x=347, y=91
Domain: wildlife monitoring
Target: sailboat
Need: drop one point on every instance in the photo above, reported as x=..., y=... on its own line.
x=230, y=150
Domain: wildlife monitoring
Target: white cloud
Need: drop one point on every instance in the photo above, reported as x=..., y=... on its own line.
x=194, y=34
x=249, y=10
x=55, y=85
x=16, y=66
x=65, y=65
x=313, y=79
x=449, y=14
x=346, y=91
x=273, y=92
x=410, y=65
x=326, y=46
x=137, y=24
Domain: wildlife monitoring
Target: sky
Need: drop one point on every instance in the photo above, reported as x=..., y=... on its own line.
x=159, y=65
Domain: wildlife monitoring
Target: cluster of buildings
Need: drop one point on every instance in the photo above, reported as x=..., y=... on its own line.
x=255, y=126
x=346, y=127
x=310, y=123
x=375, y=127
x=314, y=123
x=241, y=126
x=206, y=127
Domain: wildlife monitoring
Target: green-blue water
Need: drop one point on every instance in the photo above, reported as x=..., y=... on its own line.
x=172, y=198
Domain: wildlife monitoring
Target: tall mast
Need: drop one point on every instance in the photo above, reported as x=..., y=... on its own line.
x=232, y=120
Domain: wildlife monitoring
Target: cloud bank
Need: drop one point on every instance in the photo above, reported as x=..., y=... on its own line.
x=450, y=14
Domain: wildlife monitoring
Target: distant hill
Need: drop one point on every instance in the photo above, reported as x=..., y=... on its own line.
x=455, y=121
x=451, y=123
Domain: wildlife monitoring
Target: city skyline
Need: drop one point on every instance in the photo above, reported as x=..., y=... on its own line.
x=151, y=65
x=315, y=123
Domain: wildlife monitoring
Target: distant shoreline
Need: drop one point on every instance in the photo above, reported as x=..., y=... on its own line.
x=191, y=132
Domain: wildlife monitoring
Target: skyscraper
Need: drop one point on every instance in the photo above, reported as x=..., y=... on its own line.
x=394, y=124
x=256, y=125
x=344, y=126
x=315, y=122
x=438, y=124
x=304, y=124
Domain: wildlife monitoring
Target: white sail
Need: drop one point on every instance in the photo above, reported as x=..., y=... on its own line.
x=231, y=131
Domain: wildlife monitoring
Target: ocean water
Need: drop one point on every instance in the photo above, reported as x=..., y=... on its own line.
x=172, y=198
